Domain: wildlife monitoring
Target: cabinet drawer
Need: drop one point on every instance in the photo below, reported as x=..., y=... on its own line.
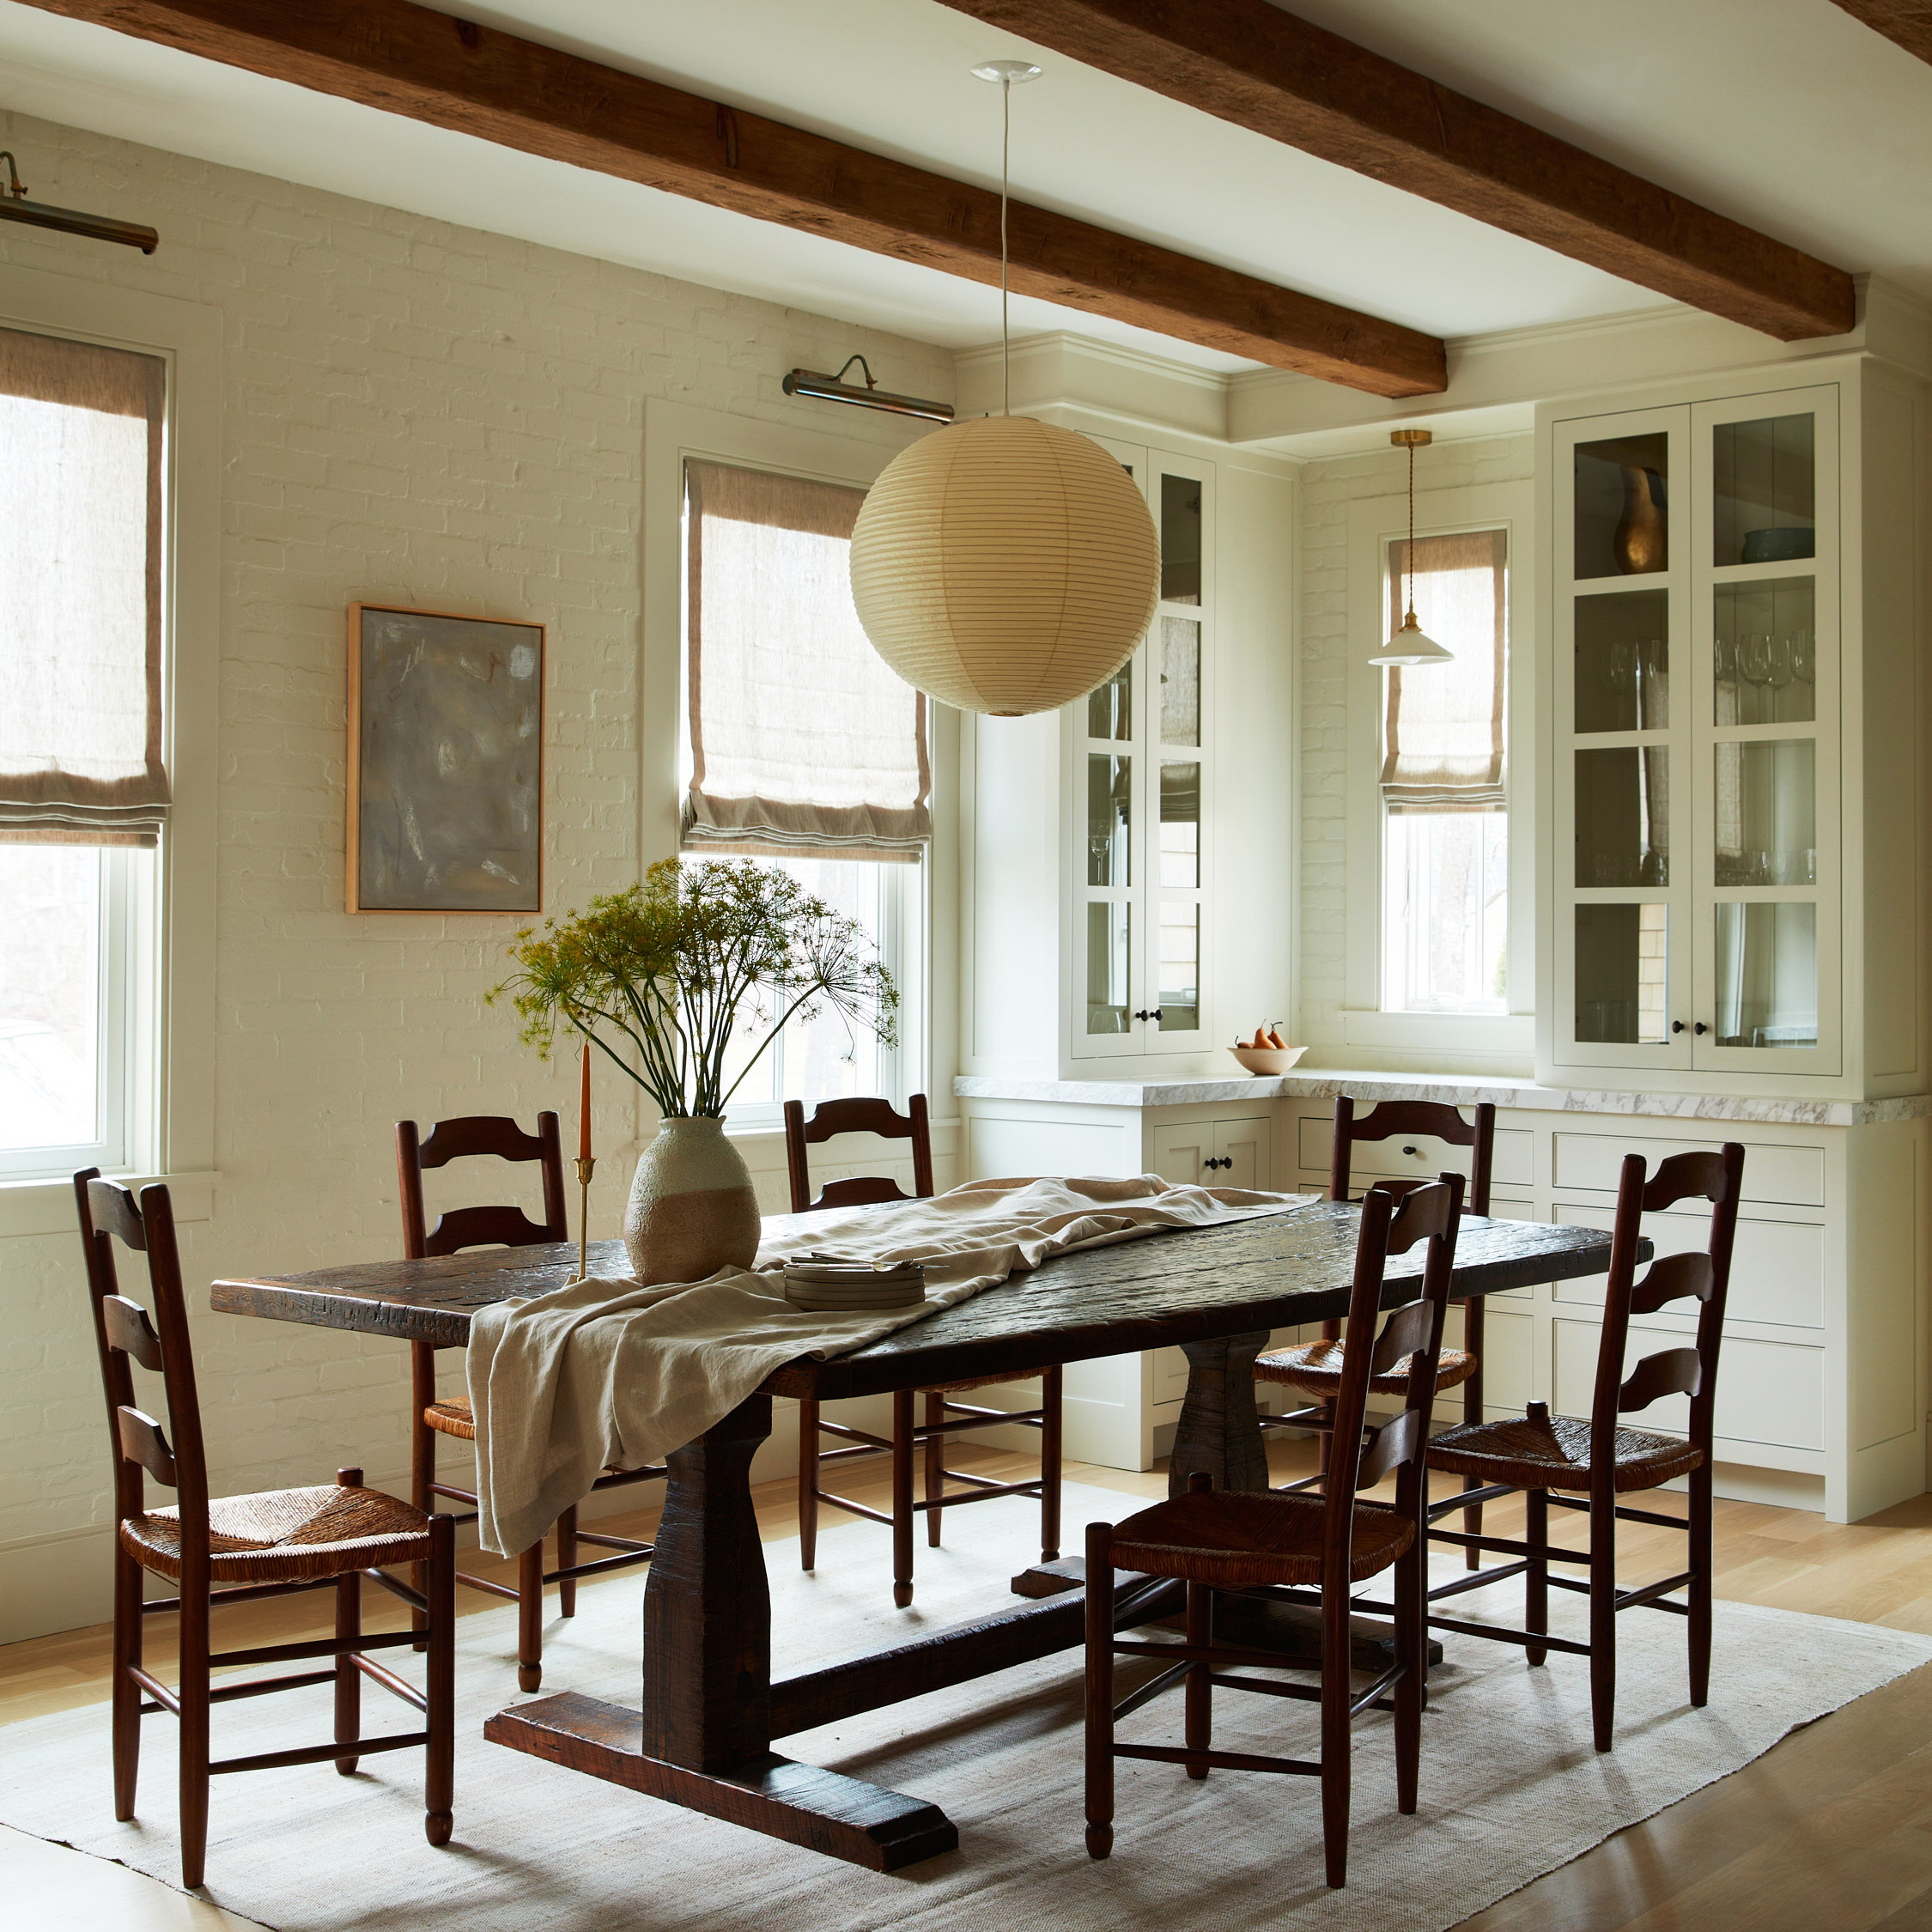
x=1514, y=1151
x=1789, y=1176
x=1777, y=1267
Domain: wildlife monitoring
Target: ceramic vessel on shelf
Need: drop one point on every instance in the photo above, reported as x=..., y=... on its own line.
x=1641, y=541
x=692, y=1208
x=1779, y=546
x=1268, y=1060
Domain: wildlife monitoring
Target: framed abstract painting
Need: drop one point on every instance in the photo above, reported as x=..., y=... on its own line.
x=446, y=763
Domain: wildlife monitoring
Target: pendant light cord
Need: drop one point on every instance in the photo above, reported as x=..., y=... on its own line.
x=1005, y=146
x=1410, y=614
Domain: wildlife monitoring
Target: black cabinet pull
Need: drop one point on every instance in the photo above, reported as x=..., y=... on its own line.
x=1228, y=1161
x=1144, y=1014
x=1677, y=1026
x=1416, y=1150
x=1700, y=1027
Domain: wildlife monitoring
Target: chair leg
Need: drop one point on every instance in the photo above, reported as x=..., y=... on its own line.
x=902, y=1497
x=423, y=1458
x=1100, y=1689
x=1336, y=1686
x=193, y=1693
x=1603, y=1617
x=935, y=1464
x=1473, y=1412
x=808, y=1481
x=127, y=1692
x=1199, y=1716
x=566, y=1556
x=530, y=1616
x=1536, y=1579
x=1050, y=1380
x=440, y=1770
x=1411, y=1652
x=1700, y=1565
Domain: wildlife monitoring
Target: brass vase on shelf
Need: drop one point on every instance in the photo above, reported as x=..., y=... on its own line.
x=1642, y=542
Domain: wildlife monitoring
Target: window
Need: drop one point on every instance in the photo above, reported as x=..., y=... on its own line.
x=802, y=747
x=1445, y=822
x=82, y=787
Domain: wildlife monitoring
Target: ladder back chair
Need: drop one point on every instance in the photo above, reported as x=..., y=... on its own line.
x=1285, y=1545
x=1313, y=1369
x=1589, y=1465
x=944, y=1415
x=240, y=1549
x=431, y=1416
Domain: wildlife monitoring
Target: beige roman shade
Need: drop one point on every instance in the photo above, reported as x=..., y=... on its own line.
x=81, y=546
x=803, y=743
x=1442, y=748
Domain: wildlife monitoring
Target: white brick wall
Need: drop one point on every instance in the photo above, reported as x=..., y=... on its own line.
x=445, y=418
x=1329, y=489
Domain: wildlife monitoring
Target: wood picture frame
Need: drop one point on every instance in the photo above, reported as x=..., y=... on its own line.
x=446, y=763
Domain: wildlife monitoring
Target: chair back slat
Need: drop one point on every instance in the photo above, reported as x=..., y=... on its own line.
x=1393, y=1444
x=142, y=1441
x=1718, y=1178
x=1670, y=1371
x=129, y=1330
x=1674, y=1278
x=863, y=1114
x=1405, y=1331
x=461, y=1138
x=124, y=1333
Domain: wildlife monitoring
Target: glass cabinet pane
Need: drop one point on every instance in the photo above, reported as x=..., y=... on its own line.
x=1623, y=974
x=1109, y=818
x=1180, y=825
x=1110, y=709
x=1181, y=680
x=1763, y=489
x=1767, y=813
x=1179, y=990
x=1623, y=662
x=1109, y=933
x=1767, y=976
x=1767, y=652
x=1180, y=540
x=1623, y=816
x=1621, y=499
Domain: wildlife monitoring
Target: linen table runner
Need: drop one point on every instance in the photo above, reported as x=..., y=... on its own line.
x=608, y=1374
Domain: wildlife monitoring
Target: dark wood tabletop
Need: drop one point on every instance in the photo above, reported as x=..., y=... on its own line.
x=1187, y=1284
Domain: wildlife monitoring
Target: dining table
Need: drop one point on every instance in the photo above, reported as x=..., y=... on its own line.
x=710, y=1710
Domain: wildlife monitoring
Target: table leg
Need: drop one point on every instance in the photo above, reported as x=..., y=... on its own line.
x=703, y=1738
x=1219, y=1431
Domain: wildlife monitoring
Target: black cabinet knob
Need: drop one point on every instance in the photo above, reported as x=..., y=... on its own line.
x=1677, y=1026
x=1700, y=1027
x=1415, y=1151
x=1145, y=1013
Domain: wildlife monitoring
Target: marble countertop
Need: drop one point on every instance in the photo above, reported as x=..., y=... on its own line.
x=1321, y=1083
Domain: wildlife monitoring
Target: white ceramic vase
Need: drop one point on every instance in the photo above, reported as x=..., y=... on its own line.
x=692, y=1208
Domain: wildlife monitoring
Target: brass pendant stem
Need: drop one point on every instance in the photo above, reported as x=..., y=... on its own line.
x=587, y=1166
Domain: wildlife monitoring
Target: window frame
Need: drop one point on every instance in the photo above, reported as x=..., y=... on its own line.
x=1486, y=1042
x=169, y=1026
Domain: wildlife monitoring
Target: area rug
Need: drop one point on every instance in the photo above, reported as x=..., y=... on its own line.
x=1510, y=1786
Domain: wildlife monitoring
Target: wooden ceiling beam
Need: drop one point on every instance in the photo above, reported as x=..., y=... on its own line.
x=411, y=60
x=1907, y=21
x=1248, y=62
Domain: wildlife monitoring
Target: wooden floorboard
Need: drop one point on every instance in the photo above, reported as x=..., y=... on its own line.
x=1830, y=1831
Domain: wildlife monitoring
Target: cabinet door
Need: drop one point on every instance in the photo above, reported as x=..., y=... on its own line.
x=1765, y=853
x=1244, y=1148
x=1182, y=1153
x=1623, y=900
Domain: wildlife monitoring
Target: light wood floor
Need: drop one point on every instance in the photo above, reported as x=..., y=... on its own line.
x=1830, y=1831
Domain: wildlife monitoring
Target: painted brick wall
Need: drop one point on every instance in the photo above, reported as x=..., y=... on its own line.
x=1327, y=489
x=445, y=418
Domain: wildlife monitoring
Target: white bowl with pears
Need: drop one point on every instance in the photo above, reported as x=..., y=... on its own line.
x=1267, y=1054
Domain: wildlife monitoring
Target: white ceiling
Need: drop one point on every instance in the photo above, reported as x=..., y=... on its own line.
x=1786, y=113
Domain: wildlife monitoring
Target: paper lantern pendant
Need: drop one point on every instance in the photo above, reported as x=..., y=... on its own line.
x=1004, y=565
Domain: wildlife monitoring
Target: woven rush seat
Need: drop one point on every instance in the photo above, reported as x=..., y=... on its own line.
x=283, y=1535
x=1316, y=1369
x=1233, y=1538
x=452, y=1415
x=1553, y=1452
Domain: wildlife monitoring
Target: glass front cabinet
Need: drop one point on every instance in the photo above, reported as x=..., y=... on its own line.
x=1697, y=850
x=1138, y=757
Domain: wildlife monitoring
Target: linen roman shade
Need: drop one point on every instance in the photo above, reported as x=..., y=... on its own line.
x=1442, y=747
x=80, y=427
x=803, y=743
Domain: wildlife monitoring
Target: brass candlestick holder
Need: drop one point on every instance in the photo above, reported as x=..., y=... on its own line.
x=587, y=1166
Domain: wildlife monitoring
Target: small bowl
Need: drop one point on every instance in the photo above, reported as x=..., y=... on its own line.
x=1268, y=1060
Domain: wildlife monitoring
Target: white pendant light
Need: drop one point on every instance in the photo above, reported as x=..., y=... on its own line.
x=1407, y=643
x=1004, y=565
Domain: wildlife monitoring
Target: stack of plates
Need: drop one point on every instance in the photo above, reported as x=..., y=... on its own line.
x=821, y=1282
